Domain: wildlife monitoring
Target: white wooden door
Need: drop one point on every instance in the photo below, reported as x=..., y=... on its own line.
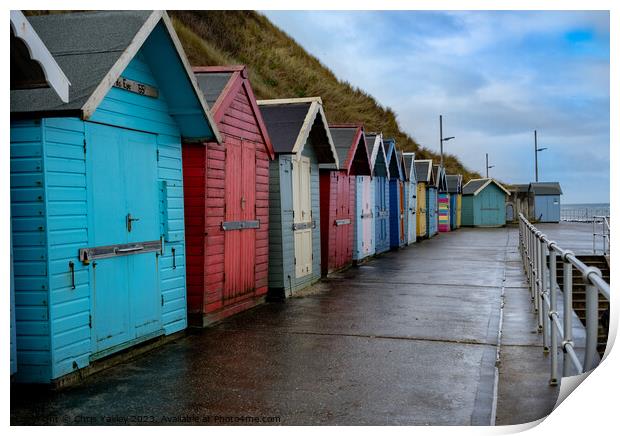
x=302, y=208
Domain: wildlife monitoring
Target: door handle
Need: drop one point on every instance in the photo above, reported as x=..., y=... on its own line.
x=130, y=249
x=129, y=221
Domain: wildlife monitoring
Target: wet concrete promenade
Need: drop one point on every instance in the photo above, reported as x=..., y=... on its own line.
x=408, y=338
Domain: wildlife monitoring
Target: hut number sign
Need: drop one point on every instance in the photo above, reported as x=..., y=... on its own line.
x=136, y=87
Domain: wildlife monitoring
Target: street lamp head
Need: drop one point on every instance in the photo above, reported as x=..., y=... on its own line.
x=541, y=149
x=491, y=166
x=448, y=138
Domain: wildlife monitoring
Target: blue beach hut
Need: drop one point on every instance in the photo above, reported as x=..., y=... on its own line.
x=546, y=201
x=97, y=191
x=381, y=179
x=411, y=193
x=397, y=195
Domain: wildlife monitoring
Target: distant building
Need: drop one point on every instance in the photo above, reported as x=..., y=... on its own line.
x=546, y=201
x=484, y=203
x=521, y=200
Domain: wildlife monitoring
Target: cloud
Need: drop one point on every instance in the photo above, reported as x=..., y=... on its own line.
x=495, y=76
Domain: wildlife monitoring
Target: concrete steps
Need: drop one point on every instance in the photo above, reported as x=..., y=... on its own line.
x=579, y=294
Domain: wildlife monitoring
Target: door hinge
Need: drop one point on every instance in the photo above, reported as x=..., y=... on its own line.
x=90, y=321
x=84, y=146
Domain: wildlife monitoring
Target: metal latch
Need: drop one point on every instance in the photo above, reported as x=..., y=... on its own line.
x=86, y=255
x=130, y=220
x=306, y=225
x=239, y=225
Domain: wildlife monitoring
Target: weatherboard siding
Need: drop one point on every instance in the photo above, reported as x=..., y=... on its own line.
x=172, y=280
x=279, y=173
x=133, y=111
x=30, y=254
x=547, y=208
x=467, y=210
x=65, y=185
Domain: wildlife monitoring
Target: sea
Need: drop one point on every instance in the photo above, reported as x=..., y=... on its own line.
x=583, y=212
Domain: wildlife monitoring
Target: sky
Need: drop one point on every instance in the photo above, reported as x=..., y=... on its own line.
x=495, y=76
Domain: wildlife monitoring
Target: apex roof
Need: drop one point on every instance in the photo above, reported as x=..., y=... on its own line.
x=424, y=170
x=350, y=143
x=455, y=183
x=475, y=186
x=292, y=121
x=220, y=85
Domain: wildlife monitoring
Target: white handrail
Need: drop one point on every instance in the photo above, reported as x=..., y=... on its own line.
x=541, y=276
x=604, y=233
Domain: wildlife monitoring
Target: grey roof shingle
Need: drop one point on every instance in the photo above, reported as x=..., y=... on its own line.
x=421, y=170
x=212, y=85
x=343, y=140
x=473, y=185
x=408, y=162
x=284, y=122
x=454, y=183
x=85, y=45
x=546, y=188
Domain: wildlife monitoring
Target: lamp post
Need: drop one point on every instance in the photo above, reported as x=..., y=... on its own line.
x=536, y=150
x=442, y=139
x=488, y=166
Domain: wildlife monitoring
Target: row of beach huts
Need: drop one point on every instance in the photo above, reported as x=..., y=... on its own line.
x=154, y=195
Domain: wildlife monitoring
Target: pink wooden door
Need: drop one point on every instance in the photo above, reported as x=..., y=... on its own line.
x=342, y=215
x=240, y=243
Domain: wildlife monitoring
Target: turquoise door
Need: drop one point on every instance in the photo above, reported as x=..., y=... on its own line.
x=123, y=209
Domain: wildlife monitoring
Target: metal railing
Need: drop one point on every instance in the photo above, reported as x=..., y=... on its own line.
x=541, y=276
x=583, y=214
x=603, y=223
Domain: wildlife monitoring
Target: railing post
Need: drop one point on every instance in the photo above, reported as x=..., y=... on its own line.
x=567, y=292
x=544, y=309
x=529, y=261
x=591, y=318
x=539, y=284
x=594, y=236
x=553, y=312
x=533, y=267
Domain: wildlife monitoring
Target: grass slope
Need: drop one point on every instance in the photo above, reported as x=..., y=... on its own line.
x=281, y=68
